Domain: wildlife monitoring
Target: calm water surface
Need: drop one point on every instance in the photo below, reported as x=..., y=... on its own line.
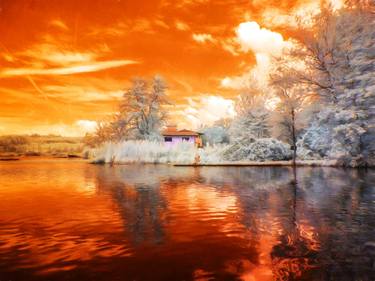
x=68, y=220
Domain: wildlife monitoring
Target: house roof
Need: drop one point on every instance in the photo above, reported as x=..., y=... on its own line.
x=174, y=132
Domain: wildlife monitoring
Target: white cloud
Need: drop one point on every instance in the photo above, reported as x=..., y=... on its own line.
x=207, y=109
x=259, y=40
x=235, y=82
x=53, y=55
x=59, y=24
x=230, y=45
x=56, y=50
x=82, y=93
x=337, y=4
x=83, y=68
x=302, y=15
x=87, y=126
x=258, y=73
x=203, y=37
x=161, y=23
x=180, y=25
x=67, y=57
x=264, y=43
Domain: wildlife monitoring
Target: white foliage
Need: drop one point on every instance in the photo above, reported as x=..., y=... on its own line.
x=344, y=130
x=212, y=154
x=336, y=134
x=252, y=124
x=215, y=135
x=257, y=150
x=142, y=151
x=186, y=153
x=142, y=111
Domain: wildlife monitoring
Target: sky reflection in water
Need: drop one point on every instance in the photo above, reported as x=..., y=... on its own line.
x=69, y=220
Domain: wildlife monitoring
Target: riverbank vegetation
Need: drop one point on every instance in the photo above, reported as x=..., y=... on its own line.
x=37, y=145
x=316, y=103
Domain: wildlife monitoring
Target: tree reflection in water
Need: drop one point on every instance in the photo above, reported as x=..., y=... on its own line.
x=136, y=192
x=269, y=214
x=294, y=255
x=326, y=234
x=158, y=222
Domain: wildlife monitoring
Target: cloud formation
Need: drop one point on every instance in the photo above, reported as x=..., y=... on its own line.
x=252, y=37
x=264, y=44
x=59, y=24
x=207, y=109
x=203, y=37
x=58, y=60
x=83, y=68
x=183, y=26
x=88, y=126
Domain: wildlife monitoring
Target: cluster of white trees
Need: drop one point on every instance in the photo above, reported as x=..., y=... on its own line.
x=339, y=60
x=320, y=96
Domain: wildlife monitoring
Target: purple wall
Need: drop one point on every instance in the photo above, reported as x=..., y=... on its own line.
x=178, y=139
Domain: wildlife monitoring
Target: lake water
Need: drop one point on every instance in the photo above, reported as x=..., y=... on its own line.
x=69, y=220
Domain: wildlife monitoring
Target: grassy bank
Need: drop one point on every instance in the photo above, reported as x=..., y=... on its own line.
x=16, y=146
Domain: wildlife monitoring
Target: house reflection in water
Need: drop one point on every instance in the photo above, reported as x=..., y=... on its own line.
x=206, y=223
x=172, y=136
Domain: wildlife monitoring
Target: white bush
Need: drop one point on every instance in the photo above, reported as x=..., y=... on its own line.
x=257, y=150
x=338, y=134
x=145, y=152
x=186, y=153
x=215, y=135
x=212, y=154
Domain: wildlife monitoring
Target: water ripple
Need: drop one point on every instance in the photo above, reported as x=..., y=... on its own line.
x=165, y=223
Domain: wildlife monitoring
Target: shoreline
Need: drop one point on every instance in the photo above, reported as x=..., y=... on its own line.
x=299, y=163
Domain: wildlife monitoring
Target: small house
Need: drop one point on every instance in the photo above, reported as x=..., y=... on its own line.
x=172, y=136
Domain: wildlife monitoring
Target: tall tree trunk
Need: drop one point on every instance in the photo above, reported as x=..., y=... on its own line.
x=294, y=137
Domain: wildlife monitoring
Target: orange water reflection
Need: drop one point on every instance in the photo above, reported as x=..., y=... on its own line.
x=165, y=223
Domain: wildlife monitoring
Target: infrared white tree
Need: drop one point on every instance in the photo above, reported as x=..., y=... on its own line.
x=293, y=98
x=141, y=114
x=340, y=66
x=252, y=119
x=142, y=108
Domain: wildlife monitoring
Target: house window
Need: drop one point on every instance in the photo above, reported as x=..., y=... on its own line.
x=185, y=138
x=167, y=139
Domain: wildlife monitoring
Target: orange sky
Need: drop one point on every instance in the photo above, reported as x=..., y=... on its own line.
x=65, y=63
